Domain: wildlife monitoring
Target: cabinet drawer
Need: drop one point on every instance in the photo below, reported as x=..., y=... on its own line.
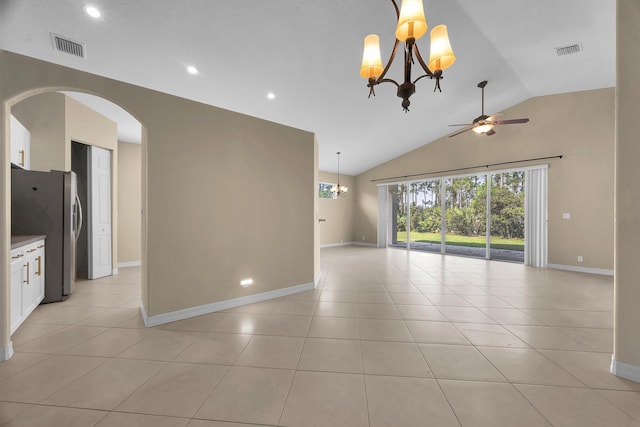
x=31, y=248
x=17, y=254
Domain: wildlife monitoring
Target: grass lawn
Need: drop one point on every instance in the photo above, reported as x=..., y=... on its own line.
x=469, y=241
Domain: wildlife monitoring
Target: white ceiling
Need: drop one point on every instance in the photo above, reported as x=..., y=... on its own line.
x=308, y=53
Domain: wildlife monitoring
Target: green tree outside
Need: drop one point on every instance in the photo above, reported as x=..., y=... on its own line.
x=466, y=200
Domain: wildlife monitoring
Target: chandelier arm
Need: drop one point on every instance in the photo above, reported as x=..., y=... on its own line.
x=395, y=5
x=422, y=77
x=381, y=78
x=388, y=81
x=408, y=60
x=437, y=74
x=422, y=63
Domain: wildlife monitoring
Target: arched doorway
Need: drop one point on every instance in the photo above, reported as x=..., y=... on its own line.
x=56, y=131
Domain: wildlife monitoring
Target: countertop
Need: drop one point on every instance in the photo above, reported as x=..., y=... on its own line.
x=17, y=241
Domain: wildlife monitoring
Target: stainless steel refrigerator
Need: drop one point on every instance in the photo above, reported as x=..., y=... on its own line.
x=47, y=203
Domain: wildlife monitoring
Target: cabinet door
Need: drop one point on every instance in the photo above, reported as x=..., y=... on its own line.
x=16, y=292
x=20, y=144
x=38, y=280
x=28, y=275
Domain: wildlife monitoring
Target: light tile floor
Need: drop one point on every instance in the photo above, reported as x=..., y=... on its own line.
x=389, y=338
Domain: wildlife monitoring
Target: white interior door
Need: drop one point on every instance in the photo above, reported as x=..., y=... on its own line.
x=99, y=216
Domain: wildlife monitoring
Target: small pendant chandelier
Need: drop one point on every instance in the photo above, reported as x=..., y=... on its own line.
x=339, y=190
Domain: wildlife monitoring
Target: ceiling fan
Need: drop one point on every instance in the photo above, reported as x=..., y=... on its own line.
x=484, y=124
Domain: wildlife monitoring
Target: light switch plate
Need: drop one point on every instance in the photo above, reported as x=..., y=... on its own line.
x=566, y=215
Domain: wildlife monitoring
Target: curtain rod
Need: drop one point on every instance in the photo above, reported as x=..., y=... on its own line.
x=467, y=168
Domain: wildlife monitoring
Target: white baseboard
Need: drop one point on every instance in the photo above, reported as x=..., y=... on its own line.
x=114, y=272
x=371, y=245
x=590, y=270
x=332, y=245
x=187, y=313
x=143, y=313
x=625, y=370
x=6, y=352
x=129, y=264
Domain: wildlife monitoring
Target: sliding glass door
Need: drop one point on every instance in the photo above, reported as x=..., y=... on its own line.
x=398, y=218
x=479, y=215
x=426, y=212
x=507, y=216
x=466, y=216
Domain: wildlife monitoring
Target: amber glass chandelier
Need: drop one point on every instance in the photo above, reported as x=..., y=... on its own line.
x=412, y=25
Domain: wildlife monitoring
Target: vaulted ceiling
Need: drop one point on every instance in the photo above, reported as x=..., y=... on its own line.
x=308, y=54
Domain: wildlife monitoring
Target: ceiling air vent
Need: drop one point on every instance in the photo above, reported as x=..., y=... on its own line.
x=66, y=45
x=569, y=50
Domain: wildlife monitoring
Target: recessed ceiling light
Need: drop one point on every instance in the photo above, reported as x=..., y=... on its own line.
x=192, y=70
x=271, y=95
x=92, y=11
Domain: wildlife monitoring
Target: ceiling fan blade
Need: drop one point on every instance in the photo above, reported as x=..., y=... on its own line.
x=466, y=124
x=460, y=131
x=511, y=122
x=490, y=132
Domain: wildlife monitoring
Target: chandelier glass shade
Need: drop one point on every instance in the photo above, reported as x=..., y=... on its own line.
x=411, y=22
x=441, y=56
x=371, y=60
x=339, y=190
x=412, y=25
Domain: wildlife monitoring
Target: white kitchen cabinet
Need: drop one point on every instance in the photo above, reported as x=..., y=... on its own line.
x=20, y=144
x=27, y=281
x=17, y=267
x=38, y=272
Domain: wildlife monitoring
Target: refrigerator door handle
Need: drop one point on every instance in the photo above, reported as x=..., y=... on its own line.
x=79, y=218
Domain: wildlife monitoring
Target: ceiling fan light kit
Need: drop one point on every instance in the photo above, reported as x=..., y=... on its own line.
x=412, y=25
x=484, y=124
x=483, y=128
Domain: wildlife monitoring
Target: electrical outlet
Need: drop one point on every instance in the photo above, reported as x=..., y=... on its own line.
x=580, y=259
x=363, y=238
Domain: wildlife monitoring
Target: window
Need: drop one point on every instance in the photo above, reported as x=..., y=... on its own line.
x=324, y=190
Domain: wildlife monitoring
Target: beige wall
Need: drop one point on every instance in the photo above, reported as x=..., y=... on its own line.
x=89, y=127
x=627, y=233
x=579, y=126
x=338, y=213
x=214, y=212
x=129, y=196
x=44, y=117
